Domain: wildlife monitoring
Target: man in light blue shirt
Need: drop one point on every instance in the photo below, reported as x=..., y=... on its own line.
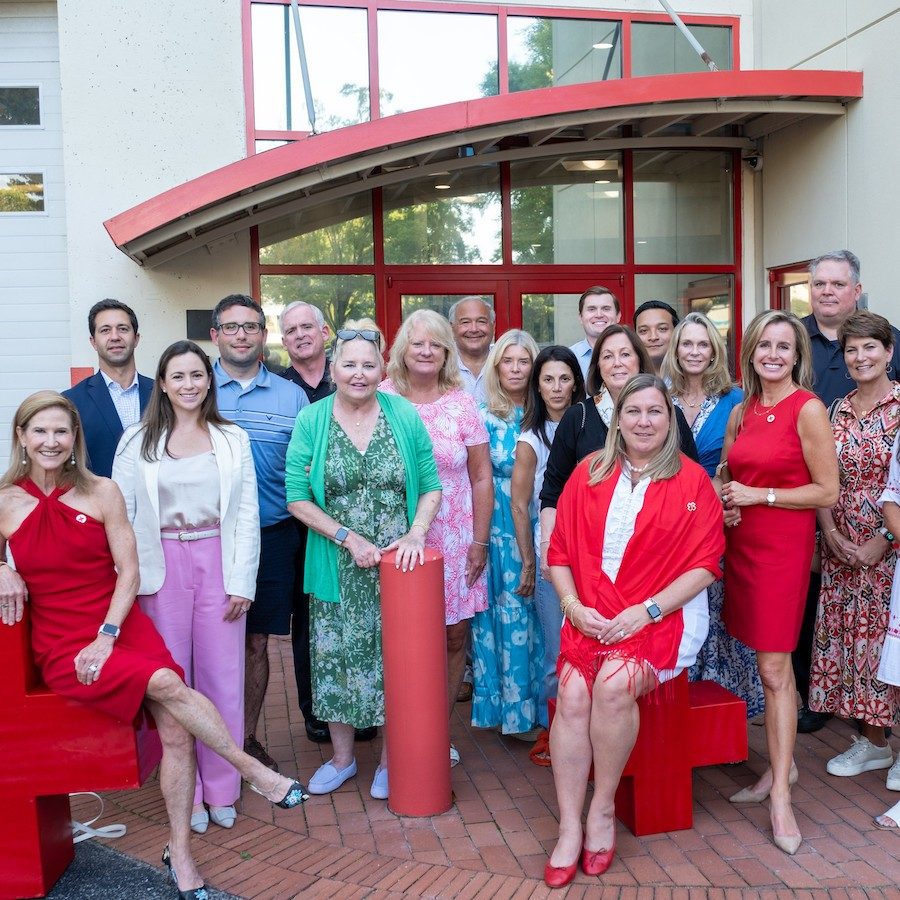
x=266, y=407
x=472, y=321
x=598, y=307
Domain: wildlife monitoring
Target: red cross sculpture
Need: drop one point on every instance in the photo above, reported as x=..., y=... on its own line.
x=51, y=747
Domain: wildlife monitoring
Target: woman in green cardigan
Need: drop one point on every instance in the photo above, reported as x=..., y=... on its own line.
x=361, y=476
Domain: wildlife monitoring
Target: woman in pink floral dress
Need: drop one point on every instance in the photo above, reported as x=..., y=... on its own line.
x=858, y=559
x=423, y=369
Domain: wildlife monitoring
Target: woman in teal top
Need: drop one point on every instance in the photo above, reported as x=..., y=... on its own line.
x=361, y=476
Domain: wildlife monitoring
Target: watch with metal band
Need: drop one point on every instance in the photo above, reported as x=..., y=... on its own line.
x=109, y=630
x=341, y=535
x=653, y=610
x=887, y=535
x=770, y=497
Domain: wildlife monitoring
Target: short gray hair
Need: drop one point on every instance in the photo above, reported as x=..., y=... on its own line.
x=451, y=313
x=320, y=319
x=841, y=256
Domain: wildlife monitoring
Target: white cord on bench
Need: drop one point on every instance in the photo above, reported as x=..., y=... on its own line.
x=82, y=831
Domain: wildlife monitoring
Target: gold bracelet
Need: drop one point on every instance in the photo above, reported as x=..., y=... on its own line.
x=419, y=525
x=566, y=603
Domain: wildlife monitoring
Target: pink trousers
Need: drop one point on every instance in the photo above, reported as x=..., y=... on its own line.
x=187, y=611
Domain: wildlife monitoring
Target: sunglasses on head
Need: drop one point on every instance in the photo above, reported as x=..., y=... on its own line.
x=367, y=334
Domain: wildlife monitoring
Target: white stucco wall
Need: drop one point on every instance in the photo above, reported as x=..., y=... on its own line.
x=34, y=344
x=832, y=184
x=153, y=97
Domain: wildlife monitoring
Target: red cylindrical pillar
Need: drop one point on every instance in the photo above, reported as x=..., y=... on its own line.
x=417, y=729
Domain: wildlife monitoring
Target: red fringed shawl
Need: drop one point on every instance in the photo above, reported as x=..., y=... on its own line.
x=679, y=528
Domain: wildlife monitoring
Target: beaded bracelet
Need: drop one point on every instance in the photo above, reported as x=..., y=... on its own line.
x=481, y=543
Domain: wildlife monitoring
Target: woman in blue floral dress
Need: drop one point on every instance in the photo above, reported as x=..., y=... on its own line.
x=506, y=638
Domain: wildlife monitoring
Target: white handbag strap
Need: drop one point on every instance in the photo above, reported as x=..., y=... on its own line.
x=82, y=831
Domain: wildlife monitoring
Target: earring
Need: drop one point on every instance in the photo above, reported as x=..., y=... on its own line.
x=72, y=459
x=24, y=456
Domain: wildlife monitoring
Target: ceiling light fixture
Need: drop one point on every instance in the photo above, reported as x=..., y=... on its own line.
x=603, y=45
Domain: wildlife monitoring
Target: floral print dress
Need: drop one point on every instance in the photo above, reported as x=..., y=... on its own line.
x=507, y=648
x=366, y=492
x=852, y=618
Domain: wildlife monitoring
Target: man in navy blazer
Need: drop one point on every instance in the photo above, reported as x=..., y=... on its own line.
x=116, y=396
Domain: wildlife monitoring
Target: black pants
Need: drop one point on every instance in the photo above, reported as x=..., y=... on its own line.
x=300, y=632
x=801, y=658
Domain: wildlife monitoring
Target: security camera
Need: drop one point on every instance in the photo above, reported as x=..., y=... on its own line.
x=754, y=161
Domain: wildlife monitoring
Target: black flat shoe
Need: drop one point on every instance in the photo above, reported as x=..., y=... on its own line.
x=365, y=734
x=317, y=731
x=809, y=722
x=200, y=893
x=296, y=795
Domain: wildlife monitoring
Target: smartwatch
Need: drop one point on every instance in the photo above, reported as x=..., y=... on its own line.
x=109, y=630
x=341, y=535
x=770, y=497
x=887, y=535
x=653, y=610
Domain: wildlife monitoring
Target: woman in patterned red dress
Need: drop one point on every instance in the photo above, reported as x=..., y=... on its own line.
x=857, y=557
x=74, y=548
x=781, y=462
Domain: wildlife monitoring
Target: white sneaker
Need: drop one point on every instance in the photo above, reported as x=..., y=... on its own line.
x=893, y=777
x=863, y=756
x=454, y=757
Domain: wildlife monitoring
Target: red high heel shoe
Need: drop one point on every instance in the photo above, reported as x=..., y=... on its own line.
x=596, y=863
x=559, y=877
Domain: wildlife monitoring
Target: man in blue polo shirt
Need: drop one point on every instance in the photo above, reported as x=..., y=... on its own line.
x=265, y=406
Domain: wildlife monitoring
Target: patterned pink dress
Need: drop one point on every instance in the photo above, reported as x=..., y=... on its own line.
x=852, y=617
x=454, y=425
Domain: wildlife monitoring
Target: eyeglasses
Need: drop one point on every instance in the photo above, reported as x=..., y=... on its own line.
x=349, y=334
x=234, y=327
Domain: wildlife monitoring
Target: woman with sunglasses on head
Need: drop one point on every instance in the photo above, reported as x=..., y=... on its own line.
x=76, y=557
x=361, y=476
x=190, y=490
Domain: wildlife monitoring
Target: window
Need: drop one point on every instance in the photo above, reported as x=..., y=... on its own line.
x=790, y=289
x=21, y=192
x=660, y=49
x=552, y=318
x=20, y=105
x=549, y=52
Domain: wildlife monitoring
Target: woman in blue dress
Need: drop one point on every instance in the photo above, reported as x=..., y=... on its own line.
x=696, y=367
x=507, y=649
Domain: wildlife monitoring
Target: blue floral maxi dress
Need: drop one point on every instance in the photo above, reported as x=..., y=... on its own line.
x=366, y=492
x=507, y=647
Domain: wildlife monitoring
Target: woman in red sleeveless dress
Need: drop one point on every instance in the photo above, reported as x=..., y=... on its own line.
x=75, y=550
x=781, y=467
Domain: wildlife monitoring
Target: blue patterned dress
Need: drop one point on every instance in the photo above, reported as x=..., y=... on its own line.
x=507, y=651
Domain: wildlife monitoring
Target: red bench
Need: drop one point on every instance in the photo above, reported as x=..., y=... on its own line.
x=700, y=724
x=51, y=747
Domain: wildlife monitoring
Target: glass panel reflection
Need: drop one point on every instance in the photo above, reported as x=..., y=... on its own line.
x=20, y=105
x=340, y=297
x=338, y=233
x=552, y=318
x=568, y=210
x=683, y=207
x=660, y=49
x=429, y=58
x=713, y=295
x=440, y=303
x=449, y=218
x=21, y=192
x=549, y=52
x=336, y=43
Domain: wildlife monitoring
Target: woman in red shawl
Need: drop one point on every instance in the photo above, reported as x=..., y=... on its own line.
x=638, y=538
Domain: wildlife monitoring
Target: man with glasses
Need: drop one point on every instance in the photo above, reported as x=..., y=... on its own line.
x=266, y=407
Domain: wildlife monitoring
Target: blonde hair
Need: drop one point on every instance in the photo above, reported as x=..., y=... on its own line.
x=73, y=474
x=666, y=463
x=802, y=371
x=359, y=325
x=498, y=401
x=438, y=330
x=716, y=379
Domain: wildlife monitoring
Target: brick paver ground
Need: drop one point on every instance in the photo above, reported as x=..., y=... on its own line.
x=495, y=839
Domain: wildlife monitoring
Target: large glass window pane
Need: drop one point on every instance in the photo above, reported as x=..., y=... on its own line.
x=683, y=207
x=660, y=49
x=429, y=58
x=20, y=106
x=450, y=218
x=340, y=297
x=550, y=52
x=339, y=233
x=568, y=210
x=440, y=303
x=21, y=192
x=713, y=295
x=336, y=43
x=552, y=318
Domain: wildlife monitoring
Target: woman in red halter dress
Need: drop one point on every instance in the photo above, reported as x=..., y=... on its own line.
x=782, y=466
x=74, y=548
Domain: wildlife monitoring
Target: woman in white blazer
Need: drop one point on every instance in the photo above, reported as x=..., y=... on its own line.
x=190, y=491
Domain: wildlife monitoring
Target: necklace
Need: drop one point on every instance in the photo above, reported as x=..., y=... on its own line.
x=768, y=409
x=634, y=468
x=696, y=403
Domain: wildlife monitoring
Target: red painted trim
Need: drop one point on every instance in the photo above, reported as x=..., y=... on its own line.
x=283, y=162
x=374, y=78
x=626, y=47
x=502, y=53
x=737, y=301
x=249, y=101
x=77, y=374
x=255, y=284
